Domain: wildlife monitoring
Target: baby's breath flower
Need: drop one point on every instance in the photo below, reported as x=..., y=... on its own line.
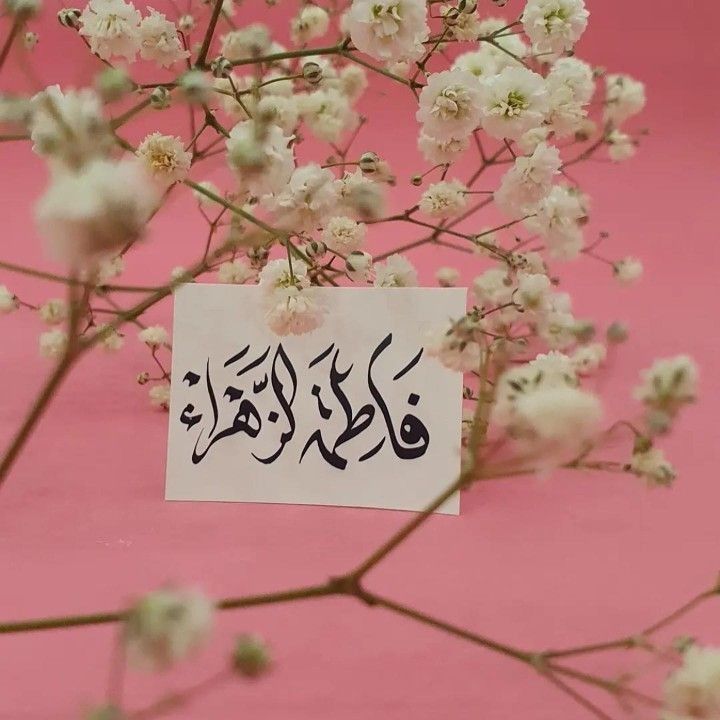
x=112, y=28
x=447, y=276
x=53, y=343
x=112, y=340
x=159, y=40
x=554, y=25
x=588, y=358
x=513, y=102
x=668, y=384
x=159, y=395
x=8, y=302
x=693, y=690
x=166, y=625
x=388, y=30
x=624, y=97
x=628, y=270
x=396, y=271
x=234, y=272
x=444, y=199
x=310, y=23
x=53, y=312
x=343, y=235
x=450, y=104
x=154, y=336
x=98, y=210
x=621, y=146
x=651, y=465
x=165, y=157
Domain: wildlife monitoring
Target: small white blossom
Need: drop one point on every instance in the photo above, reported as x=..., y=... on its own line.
x=109, y=268
x=294, y=311
x=554, y=26
x=624, y=97
x=234, y=272
x=621, y=146
x=541, y=407
x=628, y=270
x=692, y=691
x=159, y=40
x=53, y=312
x=388, y=30
x=112, y=340
x=587, y=359
x=112, y=28
x=53, y=343
x=652, y=465
x=247, y=42
x=528, y=181
x=8, y=302
x=450, y=104
x=361, y=196
x=154, y=336
x=343, y=235
x=444, y=199
x=310, y=23
x=97, y=210
x=353, y=81
x=447, y=276
x=480, y=63
x=529, y=140
x=165, y=157
x=441, y=151
x=457, y=348
x=462, y=25
x=261, y=157
x=533, y=291
x=508, y=48
x=513, y=102
x=159, y=395
x=396, y=271
x=327, y=113
x=307, y=200
x=166, y=625
x=557, y=219
x=69, y=126
x=668, y=384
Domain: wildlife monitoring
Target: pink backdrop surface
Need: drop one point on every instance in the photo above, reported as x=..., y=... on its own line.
x=537, y=563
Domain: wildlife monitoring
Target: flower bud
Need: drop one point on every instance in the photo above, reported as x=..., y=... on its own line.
x=112, y=84
x=221, y=67
x=450, y=18
x=251, y=656
x=617, y=333
x=416, y=180
x=315, y=249
x=369, y=163
x=312, y=73
x=160, y=98
x=357, y=265
x=584, y=331
x=196, y=86
x=143, y=378
x=70, y=18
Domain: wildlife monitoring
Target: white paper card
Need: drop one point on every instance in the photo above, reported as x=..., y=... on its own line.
x=354, y=413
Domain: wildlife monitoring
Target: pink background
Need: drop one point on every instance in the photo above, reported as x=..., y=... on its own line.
x=572, y=559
